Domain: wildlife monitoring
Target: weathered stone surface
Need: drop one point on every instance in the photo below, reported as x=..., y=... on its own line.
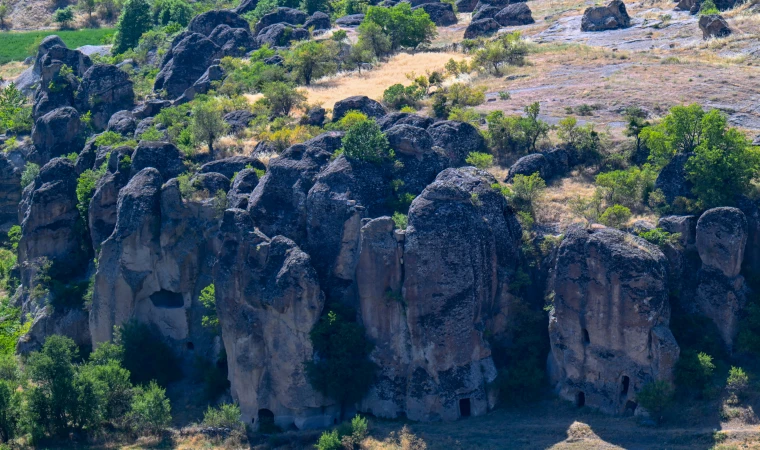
x=103, y=206
x=721, y=239
x=206, y=23
x=602, y=18
x=442, y=14
x=280, y=35
x=268, y=300
x=465, y=6
x=278, y=204
x=315, y=117
x=714, y=25
x=350, y=21
x=238, y=120
x=486, y=12
x=155, y=263
x=242, y=186
x=57, y=90
x=185, y=64
x=246, y=6
x=123, y=123
x=515, y=15
x=672, y=178
x=105, y=90
x=211, y=182
x=528, y=165
x=163, y=156
x=281, y=15
x=150, y=108
x=59, y=133
x=234, y=42
x=399, y=118
x=319, y=21
x=446, y=298
x=480, y=28
x=686, y=226
x=609, y=329
x=409, y=140
x=229, y=166
x=360, y=103
x=10, y=193
x=458, y=139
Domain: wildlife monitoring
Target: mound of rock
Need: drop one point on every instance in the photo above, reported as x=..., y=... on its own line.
x=672, y=178
x=514, y=15
x=457, y=139
x=482, y=27
x=609, y=330
x=105, y=90
x=361, y=103
x=714, y=25
x=207, y=22
x=442, y=14
x=350, y=21
x=59, y=133
x=187, y=61
x=602, y=18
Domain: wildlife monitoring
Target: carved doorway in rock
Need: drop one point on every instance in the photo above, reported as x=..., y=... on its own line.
x=464, y=407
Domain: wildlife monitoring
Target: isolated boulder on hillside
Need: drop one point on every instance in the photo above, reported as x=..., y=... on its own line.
x=163, y=156
x=409, y=140
x=609, y=329
x=466, y=6
x=602, y=18
x=242, y=185
x=234, y=42
x=280, y=35
x=281, y=15
x=514, y=15
x=123, y=123
x=528, y=165
x=480, y=28
x=232, y=165
x=207, y=22
x=486, y=12
x=318, y=21
x=457, y=139
x=714, y=25
x=361, y=103
x=442, y=14
x=351, y=20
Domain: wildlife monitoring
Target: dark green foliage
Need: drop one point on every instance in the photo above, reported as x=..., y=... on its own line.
x=365, y=141
x=341, y=369
x=86, y=185
x=64, y=16
x=311, y=60
x=694, y=371
x=10, y=410
x=135, y=20
x=146, y=356
x=281, y=98
x=398, y=95
x=656, y=397
x=404, y=27
x=516, y=134
x=167, y=11
x=15, y=112
x=660, y=237
x=748, y=338
x=150, y=411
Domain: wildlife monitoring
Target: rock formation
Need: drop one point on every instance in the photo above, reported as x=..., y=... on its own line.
x=610, y=17
x=609, y=327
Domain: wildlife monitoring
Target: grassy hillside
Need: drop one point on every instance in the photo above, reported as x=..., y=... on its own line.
x=16, y=46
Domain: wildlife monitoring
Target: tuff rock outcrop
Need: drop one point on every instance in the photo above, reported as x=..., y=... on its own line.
x=481, y=27
x=268, y=300
x=602, y=18
x=424, y=288
x=714, y=25
x=609, y=328
x=10, y=193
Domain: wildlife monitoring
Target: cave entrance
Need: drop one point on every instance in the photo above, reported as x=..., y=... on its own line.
x=190, y=346
x=464, y=407
x=626, y=384
x=586, y=339
x=167, y=299
x=266, y=420
x=580, y=399
x=630, y=407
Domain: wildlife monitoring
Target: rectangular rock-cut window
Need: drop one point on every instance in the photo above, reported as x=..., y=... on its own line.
x=626, y=383
x=580, y=399
x=464, y=407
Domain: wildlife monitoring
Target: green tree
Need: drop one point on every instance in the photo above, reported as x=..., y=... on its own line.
x=15, y=112
x=365, y=141
x=208, y=300
x=109, y=9
x=135, y=20
x=627, y=187
x=342, y=370
x=615, y=216
x=117, y=388
x=404, y=27
x=635, y=119
x=4, y=11
x=724, y=163
x=282, y=98
x=694, y=371
x=679, y=132
x=87, y=6
x=309, y=60
x=480, y=160
x=168, y=11
x=208, y=123
x=64, y=17
x=656, y=397
x=10, y=410
x=510, y=49
x=225, y=416
x=373, y=42
x=151, y=410
x=312, y=6
x=535, y=128
x=398, y=95
x=526, y=190
x=737, y=381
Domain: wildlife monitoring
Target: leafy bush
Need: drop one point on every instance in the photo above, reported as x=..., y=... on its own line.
x=616, y=216
x=310, y=60
x=584, y=140
x=694, y=371
x=516, y=134
x=656, y=397
x=467, y=115
x=225, y=416
x=30, y=173
x=660, y=237
x=64, y=16
x=151, y=410
x=527, y=189
x=627, y=187
x=399, y=96
x=329, y=440
x=708, y=7
x=11, y=328
x=480, y=160
x=172, y=11
x=281, y=98
x=365, y=141
x=738, y=381
x=135, y=20
x=208, y=300
x=207, y=123
x=460, y=94
x=401, y=220
x=343, y=371
x=510, y=49
x=15, y=112
x=404, y=27
x=86, y=184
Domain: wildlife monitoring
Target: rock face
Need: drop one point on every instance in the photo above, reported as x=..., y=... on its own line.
x=352, y=20
x=602, y=18
x=360, y=103
x=482, y=27
x=10, y=193
x=318, y=21
x=465, y=6
x=58, y=133
x=105, y=90
x=163, y=156
x=609, y=329
x=514, y=15
x=714, y=25
x=206, y=23
x=442, y=14
x=446, y=298
x=457, y=139
x=268, y=300
x=186, y=63
x=155, y=263
x=528, y=165
x=281, y=15
x=721, y=237
x=409, y=140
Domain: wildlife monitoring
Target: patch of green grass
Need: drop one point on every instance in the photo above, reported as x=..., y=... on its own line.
x=16, y=46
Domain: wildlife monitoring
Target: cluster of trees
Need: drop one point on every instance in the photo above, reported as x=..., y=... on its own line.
x=54, y=392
